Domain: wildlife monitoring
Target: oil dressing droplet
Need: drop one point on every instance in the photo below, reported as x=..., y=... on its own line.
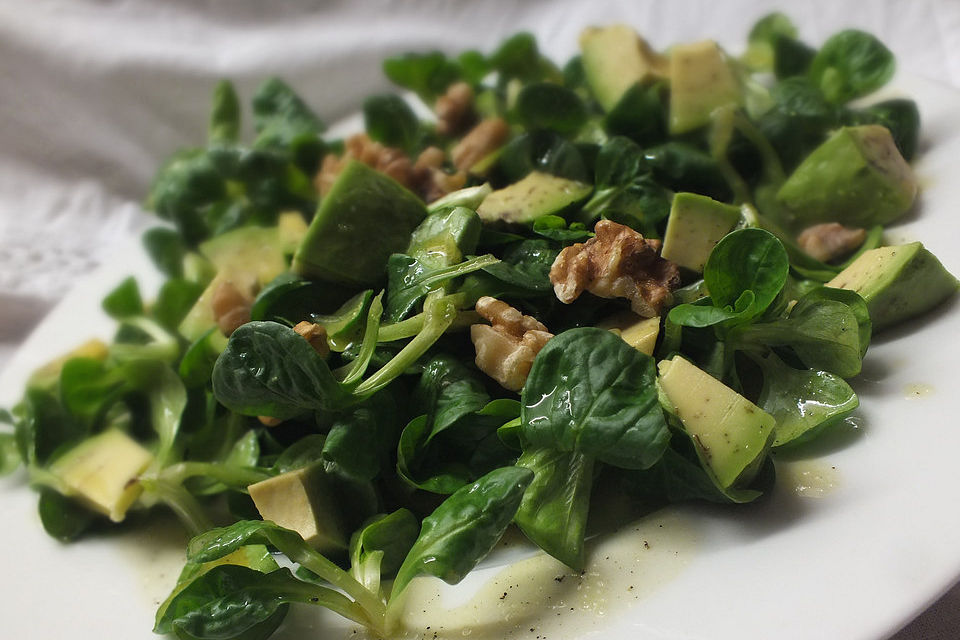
x=917, y=390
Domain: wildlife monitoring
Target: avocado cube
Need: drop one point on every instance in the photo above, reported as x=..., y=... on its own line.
x=696, y=224
x=701, y=80
x=857, y=177
x=538, y=194
x=302, y=500
x=102, y=471
x=614, y=59
x=731, y=434
x=638, y=332
x=898, y=282
x=366, y=217
x=248, y=257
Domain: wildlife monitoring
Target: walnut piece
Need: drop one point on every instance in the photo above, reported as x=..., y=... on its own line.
x=485, y=138
x=617, y=263
x=507, y=346
x=454, y=109
x=315, y=335
x=231, y=307
x=425, y=177
x=830, y=240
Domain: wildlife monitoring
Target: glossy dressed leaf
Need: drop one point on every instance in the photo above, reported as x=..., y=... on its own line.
x=231, y=601
x=590, y=392
x=544, y=151
x=438, y=451
x=681, y=166
x=377, y=549
x=802, y=401
x=553, y=513
x=825, y=336
x=851, y=64
x=268, y=369
x=409, y=280
x=464, y=528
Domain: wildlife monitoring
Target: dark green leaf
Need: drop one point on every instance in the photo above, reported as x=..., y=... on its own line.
x=851, y=64
x=590, y=392
x=802, y=401
x=747, y=260
x=464, y=528
x=62, y=517
x=549, y=106
x=124, y=300
x=268, y=369
x=167, y=250
x=224, y=114
x=641, y=115
x=426, y=74
x=389, y=120
x=553, y=513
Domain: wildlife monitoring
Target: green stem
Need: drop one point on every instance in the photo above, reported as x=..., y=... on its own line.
x=368, y=346
x=439, y=313
x=181, y=502
x=234, y=477
x=327, y=570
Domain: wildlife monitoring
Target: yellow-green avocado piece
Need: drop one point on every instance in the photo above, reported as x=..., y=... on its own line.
x=898, y=282
x=638, y=332
x=102, y=471
x=248, y=257
x=538, y=194
x=856, y=177
x=695, y=226
x=701, y=80
x=731, y=434
x=614, y=59
x=302, y=500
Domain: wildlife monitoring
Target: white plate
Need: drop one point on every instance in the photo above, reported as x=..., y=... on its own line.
x=851, y=545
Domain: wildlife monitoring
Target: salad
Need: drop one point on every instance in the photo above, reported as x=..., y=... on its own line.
x=638, y=273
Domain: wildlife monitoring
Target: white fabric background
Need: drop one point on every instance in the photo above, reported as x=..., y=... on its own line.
x=93, y=95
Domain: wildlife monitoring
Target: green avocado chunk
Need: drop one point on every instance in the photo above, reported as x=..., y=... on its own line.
x=302, y=500
x=364, y=218
x=898, y=282
x=701, y=80
x=102, y=472
x=614, y=59
x=696, y=224
x=538, y=194
x=248, y=258
x=731, y=434
x=857, y=177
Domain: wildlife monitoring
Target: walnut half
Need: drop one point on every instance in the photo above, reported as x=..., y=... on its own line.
x=507, y=346
x=617, y=263
x=830, y=240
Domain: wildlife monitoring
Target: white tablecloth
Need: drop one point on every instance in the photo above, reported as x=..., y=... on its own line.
x=93, y=95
